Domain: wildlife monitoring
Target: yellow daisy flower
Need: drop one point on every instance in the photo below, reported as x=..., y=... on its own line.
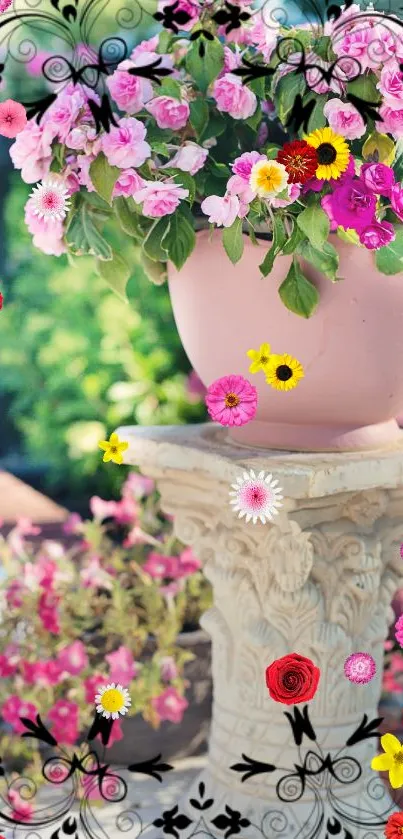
x=283, y=372
x=113, y=449
x=112, y=700
x=333, y=153
x=260, y=358
x=391, y=761
x=268, y=178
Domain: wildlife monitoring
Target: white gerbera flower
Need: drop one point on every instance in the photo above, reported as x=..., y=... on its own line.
x=256, y=497
x=112, y=700
x=50, y=199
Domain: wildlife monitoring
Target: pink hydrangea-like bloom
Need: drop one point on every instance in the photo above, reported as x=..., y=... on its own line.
x=378, y=178
x=344, y=119
x=14, y=708
x=47, y=234
x=231, y=400
x=129, y=92
x=13, y=118
x=123, y=667
x=355, y=43
x=32, y=151
x=168, y=669
x=360, y=668
x=125, y=145
x=159, y=198
x=189, y=158
x=160, y=566
x=244, y=164
x=221, y=211
x=392, y=121
x=377, y=235
x=232, y=60
x=64, y=111
x=191, y=7
x=234, y=98
x=263, y=38
x=391, y=84
x=169, y=112
x=73, y=658
x=170, y=705
x=399, y=630
x=22, y=810
x=352, y=205
x=64, y=716
x=128, y=183
x=396, y=197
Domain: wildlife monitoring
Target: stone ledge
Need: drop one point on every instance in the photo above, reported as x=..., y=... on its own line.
x=18, y=500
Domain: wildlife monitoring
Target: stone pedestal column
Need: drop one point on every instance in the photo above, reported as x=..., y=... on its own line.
x=318, y=581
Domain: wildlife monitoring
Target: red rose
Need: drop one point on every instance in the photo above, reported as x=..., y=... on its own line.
x=394, y=827
x=292, y=679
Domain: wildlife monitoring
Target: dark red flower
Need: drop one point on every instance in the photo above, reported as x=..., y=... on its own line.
x=394, y=827
x=292, y=679
x=300, y=159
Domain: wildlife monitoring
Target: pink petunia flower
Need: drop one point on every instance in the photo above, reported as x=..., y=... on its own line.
x=64, y=717
x=14, y=708
x=221, y=210
x=170, y=705
x=22, y=810
x=8, y=665
x=73, y=658
x=231, y=400
x=92, y=575
x=48, y=612
x=138, y=485
x=101, y=509
x=161, y=567
x=188, y=563
x=123, y=668
x=13, y=118
x=399, y=630
x=92, y=686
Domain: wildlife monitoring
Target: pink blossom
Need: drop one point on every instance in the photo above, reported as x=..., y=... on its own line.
x=191, y=7
x=125, y=145
x=73, y=658
x=294, y=191
x=4, y=5
x=244, y=164
x=128, y=91
x=231, y=400
x=92, y=685
x=64, y=111
x=83, y=163
x=377, y=235
x=189, y=158
x=160, y=567
x=32, y=151
x=83, y=138
x=232, y=60
x=8, y=666
x=170, y=705
x=315, y=78
x=149, y=46
x=101, y=509
x=123, y=668
x=396, y=196
x=356, y=44
x=72, y=525
x=169, y=112
x=168, y=669
x=92, y=575
x=15, y=594
x=127, y=510
x=188, y=563
x=137, y=536
x=49, y=672
x=47, y=233
x=138, y=485
x=234, y=98
x=171, y=589
x=160, y=198
x=48, y=612
x=13, y=118
x=263, y=37
x=221, y=211
x=14, y=708
x=64, y=718
x=22, y=810
x=378, y=178
x=391, y=83
x=352, y=205
x=392, y=121
x=238, y=186
x=128, y=183
x=399, y=631
x=344, y=119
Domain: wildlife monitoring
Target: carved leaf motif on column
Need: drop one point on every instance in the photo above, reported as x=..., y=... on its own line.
x=391, y=537
x=364, y=508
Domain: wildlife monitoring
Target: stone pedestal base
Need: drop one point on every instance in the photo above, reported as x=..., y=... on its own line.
x=318, y=581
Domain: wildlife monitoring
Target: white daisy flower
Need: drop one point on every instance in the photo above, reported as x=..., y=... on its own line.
x=256, y=497
x=112, y=700
x=51, y=199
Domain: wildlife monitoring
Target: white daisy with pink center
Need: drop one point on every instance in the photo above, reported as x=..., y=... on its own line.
x=257, y=497
x=51, y=200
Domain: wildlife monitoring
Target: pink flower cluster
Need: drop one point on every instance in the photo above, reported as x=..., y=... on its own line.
x=162, y=567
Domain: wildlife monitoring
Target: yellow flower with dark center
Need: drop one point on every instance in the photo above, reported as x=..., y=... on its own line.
x=332, y=151
x=391, y=761
x=112, y=700
x=113, y=449
x=260, y=358
x=284, y=372
x=268, y=178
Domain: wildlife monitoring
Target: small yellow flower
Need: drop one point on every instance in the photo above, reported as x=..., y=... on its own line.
x=391, y=761
x=260, y=358
x=283, y=372
x=268, y=178
x=113, y=449
x=332, y=151
x=112, y=700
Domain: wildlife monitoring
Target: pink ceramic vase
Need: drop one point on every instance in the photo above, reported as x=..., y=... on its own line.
x=351, y=348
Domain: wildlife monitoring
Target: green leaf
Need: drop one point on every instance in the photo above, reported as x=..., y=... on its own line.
x=322, y=47
x=199, y=115
x=126, y=218
x=185, y=180
x=317, y=118
x=326, y=260
x=156, y=272
x=83, y=237
x=232, y=240
x=181, y=238
x=257, y=86
x=219, y=170
x=154, y=243
x=205, y=70
x=104, y=177
x=298, y=294
x=255, y=120
x=287, y=90
x=279, y=238
x=389, y=260
x=292, y=243
x=170, y=87
x=116, y=273
x=161, y=149
x=314, y=222
x=164, y=41
x=215, y=127
x=365, y=88
x=271, y=151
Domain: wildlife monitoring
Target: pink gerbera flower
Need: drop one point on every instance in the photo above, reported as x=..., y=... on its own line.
x=360, y=668
x=256, y=497
x=50, y=200
x=13, y=117
x=231, y=400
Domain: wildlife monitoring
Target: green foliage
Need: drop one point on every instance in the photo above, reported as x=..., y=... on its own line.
x=232, y=240
x=389, y=260
x=298, y=293
x=204, y=69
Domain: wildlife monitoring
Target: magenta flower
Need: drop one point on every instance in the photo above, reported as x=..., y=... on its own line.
x=231, y=400
x=170, y=705
x=161, y=567
x=360, y=668
x=188, y=563
x=72, y=525
x=168, y=112
x=396, y=197
x=399, y=631
x=316, y=185
x=378, y=178
x=64, y=717
x=22, y=810
x=73, y=658
x=123, y=667
x=377, y=235
x=8, y=666
x=92, y=685
x=244, y=164
x=14, y=708
x=4, y=5
x=13, y=118
x=48, y=612
x=352, y=205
